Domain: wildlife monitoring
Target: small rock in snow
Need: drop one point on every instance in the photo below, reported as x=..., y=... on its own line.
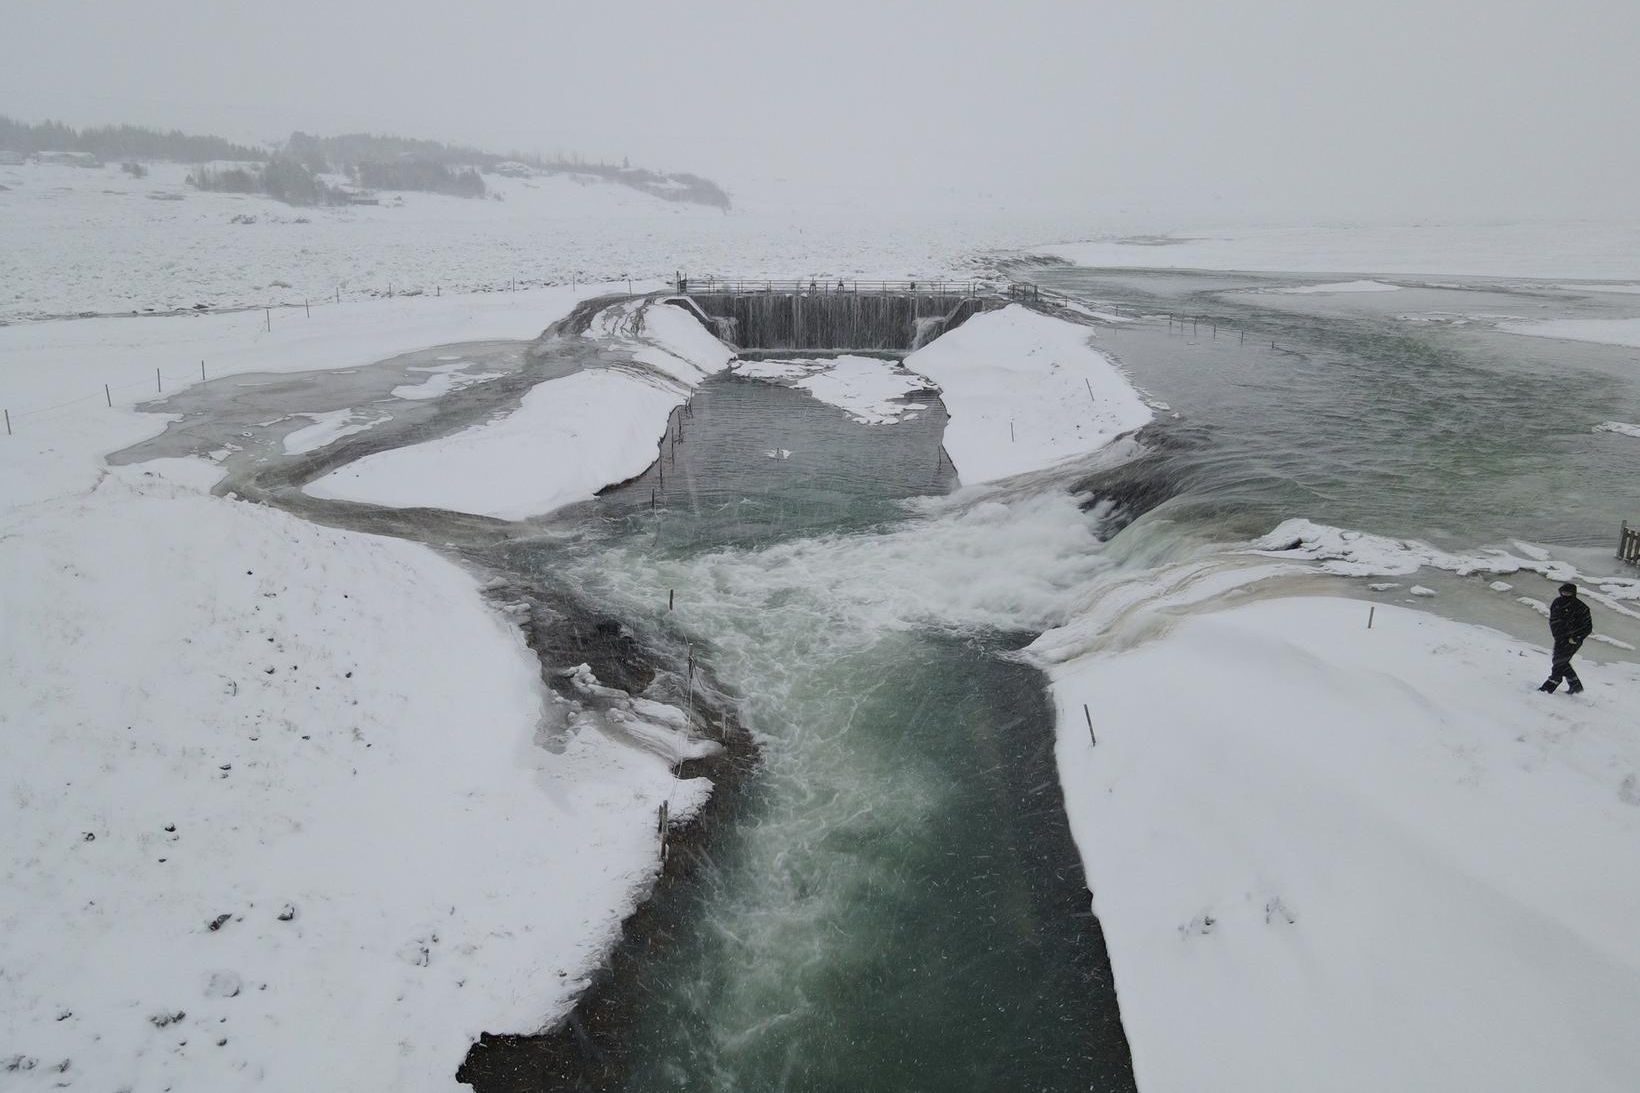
x=160, y=1020
x=287, y=913
x=217, y=923
x=223, y=985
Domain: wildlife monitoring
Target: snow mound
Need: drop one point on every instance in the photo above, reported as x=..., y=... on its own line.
x=568, y=438
x=1025, y=391
x=1622, y=428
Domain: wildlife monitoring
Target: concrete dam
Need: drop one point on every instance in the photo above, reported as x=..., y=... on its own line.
x=882, y=317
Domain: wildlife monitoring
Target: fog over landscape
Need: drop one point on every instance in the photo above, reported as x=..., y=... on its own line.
x=1136, y=115
x=842, y=547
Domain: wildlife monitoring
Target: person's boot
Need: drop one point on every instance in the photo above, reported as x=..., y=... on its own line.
x=1574, y=686
x=1548, y=687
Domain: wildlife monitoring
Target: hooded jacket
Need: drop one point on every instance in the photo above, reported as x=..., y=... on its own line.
x=1569, y=620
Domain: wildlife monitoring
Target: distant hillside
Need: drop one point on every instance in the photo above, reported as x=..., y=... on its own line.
x=350, y=152
x=112, y=142
x=371, y=161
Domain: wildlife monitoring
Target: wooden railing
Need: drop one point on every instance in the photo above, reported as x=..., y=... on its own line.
x=1628, y=544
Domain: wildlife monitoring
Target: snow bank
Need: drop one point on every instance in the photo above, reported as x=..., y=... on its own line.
x=871, y=391
x=1604, y=331
x=567, y=439
x=1346, y=859
x=1338, y=286
x=1025, y=391
x=1348, y=553
x=341, y=734
x=1542, y=250
x=1622, y=428
x=274, y=815
x=666, y=338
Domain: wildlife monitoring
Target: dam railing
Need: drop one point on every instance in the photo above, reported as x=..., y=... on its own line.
x=1013, y=290
x=815, y=286
x=1628, y=544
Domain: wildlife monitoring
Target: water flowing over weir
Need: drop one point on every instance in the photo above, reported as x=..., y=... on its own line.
x=893, y=901
x=835, y=317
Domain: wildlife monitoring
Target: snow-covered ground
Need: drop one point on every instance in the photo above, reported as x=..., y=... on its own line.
x=1531, y=250
x=1354, y=859
x=1604, y=331
x=871, y=391
x=75, y=240
x=1025, y=391
x=567, y=439
x=277, y=809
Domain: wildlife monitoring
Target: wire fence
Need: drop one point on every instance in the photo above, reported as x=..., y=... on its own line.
x=16, y=418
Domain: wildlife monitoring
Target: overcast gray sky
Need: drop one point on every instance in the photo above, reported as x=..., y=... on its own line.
x=1164, y=110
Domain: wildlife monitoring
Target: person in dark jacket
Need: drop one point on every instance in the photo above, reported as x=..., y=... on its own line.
x=1569, y=623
